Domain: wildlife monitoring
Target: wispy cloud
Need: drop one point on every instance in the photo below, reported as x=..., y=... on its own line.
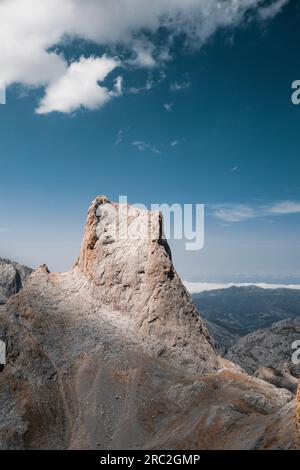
x=168, y=106
x=174, y=143
x=232, y=213
x=234, y=169
x=178, y=86
x=272, y=10
x=142, y=146
x=144, y=54
x=119, y=138
x=118, y=89
x=153, y=80
x=285, y=207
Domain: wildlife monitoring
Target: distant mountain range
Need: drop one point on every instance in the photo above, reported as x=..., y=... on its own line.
x=241, y=310
x=254, y=327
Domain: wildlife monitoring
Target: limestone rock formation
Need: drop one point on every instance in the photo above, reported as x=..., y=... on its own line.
x=12, y=278
x=270, y=347
x=127, y=263
x=113, y=355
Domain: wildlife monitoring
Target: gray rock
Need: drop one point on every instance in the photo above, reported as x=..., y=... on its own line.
x=269, y=347
x=222, y=338
x=12, y=278
x=278, y=378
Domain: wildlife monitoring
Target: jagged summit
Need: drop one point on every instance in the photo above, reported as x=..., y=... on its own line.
x=129, y=266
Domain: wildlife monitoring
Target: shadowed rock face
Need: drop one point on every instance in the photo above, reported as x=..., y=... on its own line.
x=114, y=355
x=270, y=347
x=12, y=278
x=222, y=338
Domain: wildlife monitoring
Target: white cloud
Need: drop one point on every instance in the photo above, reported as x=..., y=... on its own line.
x=197, y=287
x=79, y=86
x=119, y=138
x=285, y=207
x=144, y=55
x=168, y=107
x=118, y=91
x=234, y=212
x=234, y=169
x=178, y=86
x=241, y=212
x=151, y=82
x=174, y=143
x=32, y=30
x=142, y=146
x=273, y=9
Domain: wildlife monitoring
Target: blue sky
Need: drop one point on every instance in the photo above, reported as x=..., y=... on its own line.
x=205, y=120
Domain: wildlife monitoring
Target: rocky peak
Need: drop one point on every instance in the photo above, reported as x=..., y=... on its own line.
x=128, y=263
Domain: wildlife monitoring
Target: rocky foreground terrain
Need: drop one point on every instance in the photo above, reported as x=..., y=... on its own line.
x=113, y=355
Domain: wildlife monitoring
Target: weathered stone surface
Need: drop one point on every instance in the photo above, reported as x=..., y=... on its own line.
x=12, y=277
x=278, y=378
x=113, y=355
x=136, y=277
x=270, y=347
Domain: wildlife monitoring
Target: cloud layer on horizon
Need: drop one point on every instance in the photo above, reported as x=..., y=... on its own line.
x=31, y=31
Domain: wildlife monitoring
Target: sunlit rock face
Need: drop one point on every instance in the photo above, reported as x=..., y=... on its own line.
x=128, y=264
x=113, y=354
